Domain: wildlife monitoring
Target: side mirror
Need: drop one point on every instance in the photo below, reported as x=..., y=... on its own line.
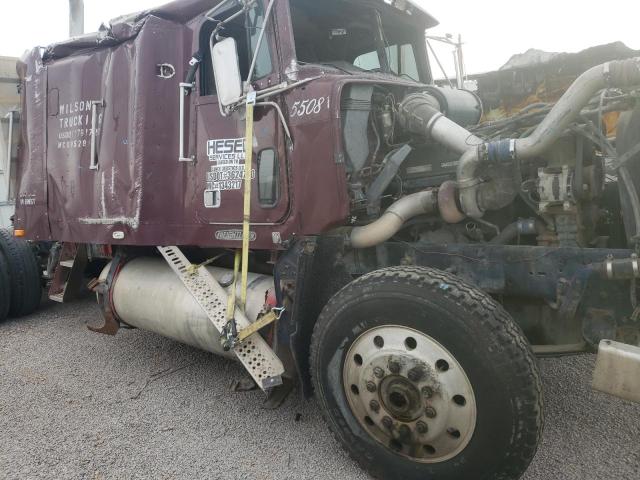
x=226, y=70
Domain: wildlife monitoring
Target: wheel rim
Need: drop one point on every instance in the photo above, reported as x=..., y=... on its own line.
x=410, y=394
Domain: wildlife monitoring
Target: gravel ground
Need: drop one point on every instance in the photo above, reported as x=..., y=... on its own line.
x=74, y=404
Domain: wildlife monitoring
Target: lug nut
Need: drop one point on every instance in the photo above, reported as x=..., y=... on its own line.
x=430, y=412
x=422, y=428
x=394, y=367
x=378, y=372
x=375, y=406
x=387, y=422
x=427, y=392
x=416, y=374
x=371, y=387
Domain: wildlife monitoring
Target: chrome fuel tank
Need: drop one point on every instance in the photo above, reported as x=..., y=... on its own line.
x=148, y=295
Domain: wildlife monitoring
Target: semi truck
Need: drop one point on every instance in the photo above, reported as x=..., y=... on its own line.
x=281, y=182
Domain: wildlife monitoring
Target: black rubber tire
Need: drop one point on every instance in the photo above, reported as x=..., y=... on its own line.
x=5, y=288
x=478, y=332
x=24, y=274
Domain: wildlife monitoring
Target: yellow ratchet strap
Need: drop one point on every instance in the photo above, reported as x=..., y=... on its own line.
x=241, y=261
x=246, y=224
x=266, y=319
x=243, y=256
x=231, y=305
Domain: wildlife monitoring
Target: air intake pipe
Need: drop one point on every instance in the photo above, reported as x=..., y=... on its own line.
x=420, y=113
x=618, y=74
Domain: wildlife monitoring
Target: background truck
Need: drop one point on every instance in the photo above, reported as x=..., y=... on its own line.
x=282, y=183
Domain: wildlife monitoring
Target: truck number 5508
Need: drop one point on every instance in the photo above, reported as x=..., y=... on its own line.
x=313, y=106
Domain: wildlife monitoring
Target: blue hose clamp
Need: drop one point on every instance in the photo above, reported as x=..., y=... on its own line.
x=501, y=151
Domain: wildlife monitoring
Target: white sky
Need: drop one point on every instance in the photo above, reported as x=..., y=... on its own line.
x=492, y=30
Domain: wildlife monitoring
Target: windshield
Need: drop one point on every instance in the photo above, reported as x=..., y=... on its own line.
x=346, y=35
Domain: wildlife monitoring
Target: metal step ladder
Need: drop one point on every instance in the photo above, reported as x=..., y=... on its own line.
x=69, y=273
x=254, y=353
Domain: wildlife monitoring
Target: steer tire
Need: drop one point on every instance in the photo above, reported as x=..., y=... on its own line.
x=5, y=288
x=399, y=426
x=24, y=274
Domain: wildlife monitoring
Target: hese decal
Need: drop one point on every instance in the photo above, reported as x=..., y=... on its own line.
x=230, y=151
x=229, y=157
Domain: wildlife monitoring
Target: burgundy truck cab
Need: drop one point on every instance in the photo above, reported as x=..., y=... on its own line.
x=101, y=159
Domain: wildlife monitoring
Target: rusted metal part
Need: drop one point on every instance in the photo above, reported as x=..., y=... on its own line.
x=111, y=324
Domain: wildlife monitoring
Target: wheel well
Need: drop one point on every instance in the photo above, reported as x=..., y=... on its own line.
x=319, y=275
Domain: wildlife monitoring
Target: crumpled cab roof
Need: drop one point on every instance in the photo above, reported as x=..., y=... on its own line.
x=128, y=26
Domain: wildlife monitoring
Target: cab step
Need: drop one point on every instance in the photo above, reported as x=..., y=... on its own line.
x=254, y=353
x=68, y=274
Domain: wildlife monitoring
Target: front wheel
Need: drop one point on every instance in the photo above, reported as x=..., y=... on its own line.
x=421, y=376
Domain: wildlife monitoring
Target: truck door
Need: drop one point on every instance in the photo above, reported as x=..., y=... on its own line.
x=218, y=189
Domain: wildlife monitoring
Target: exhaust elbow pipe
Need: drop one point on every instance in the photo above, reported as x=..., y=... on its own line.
x=618, y=74
x=421, y=203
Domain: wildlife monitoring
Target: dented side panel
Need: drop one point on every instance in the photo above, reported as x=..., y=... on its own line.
x=134, y=111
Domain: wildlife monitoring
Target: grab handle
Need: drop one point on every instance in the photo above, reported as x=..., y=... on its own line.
x=95, y=164
x=185, y=89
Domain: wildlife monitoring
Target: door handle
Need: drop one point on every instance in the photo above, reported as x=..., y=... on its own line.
x=95, y=164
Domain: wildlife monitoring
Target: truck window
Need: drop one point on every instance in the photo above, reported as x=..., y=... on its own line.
x=268, y=178
x=255, y=23
x=245, y=30
x=347, y=36
x=401, y=58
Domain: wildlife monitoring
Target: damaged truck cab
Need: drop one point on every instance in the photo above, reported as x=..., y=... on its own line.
x=282, y=183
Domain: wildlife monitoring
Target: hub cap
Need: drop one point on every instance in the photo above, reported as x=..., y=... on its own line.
x=410, y=394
